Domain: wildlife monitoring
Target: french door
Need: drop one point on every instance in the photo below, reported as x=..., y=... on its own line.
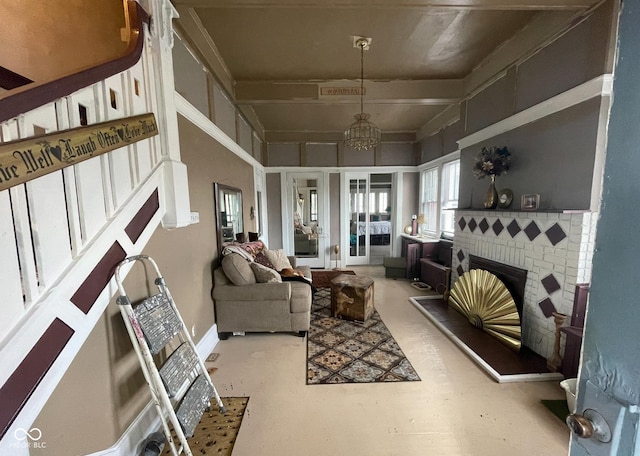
x=305, y=216
x=367, y=224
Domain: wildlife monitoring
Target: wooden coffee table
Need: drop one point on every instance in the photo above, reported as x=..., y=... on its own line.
x=352, y=297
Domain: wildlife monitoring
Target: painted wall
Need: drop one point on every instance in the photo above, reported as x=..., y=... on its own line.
x=553, y=157
x=106, y=366
x=409, y=196
x=332, y=154
x=190, y=77
x=274, y=203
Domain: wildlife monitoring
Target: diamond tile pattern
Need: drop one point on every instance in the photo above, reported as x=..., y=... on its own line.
x=472, y=225
x=555, y=234
x=460, y=255
x=513, y=228
x=484, y=225
x=532, y=231
x=462, y=223
x=341, y=351
x=460, y=270
x=547, y=307
x=550, y=284
x=497, y=227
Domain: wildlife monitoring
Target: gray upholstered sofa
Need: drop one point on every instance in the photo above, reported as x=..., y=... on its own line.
x=244, y=305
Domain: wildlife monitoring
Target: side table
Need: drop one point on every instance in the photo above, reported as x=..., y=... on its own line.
x=352, y=297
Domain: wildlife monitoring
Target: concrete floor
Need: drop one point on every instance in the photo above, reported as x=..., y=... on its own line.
x=455, y=410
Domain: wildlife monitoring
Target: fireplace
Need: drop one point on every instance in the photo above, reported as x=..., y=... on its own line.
x=555, y=248
x=513, y=278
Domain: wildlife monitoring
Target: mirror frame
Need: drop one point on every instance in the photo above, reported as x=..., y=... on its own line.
x=219, y=207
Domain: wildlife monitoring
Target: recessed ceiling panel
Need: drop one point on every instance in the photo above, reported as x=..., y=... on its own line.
x=275, y=43
x=335, y=118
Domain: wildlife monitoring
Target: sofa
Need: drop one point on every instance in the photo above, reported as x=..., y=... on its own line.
x=435, y=266
x=243, y=304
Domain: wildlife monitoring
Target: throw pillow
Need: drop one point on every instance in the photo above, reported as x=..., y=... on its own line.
x=262, y=259
x=238, y=269
x=278, y=259
x=264, y=274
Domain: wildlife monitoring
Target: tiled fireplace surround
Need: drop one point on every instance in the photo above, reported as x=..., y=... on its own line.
x=556, y=249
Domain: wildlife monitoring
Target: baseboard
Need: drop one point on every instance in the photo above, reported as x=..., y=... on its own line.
x=148, y=421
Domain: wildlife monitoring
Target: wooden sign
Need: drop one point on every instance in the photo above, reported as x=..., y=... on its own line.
x=27, y=159
x=337, y=91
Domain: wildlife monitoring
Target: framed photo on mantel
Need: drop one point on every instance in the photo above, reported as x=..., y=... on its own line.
x=530, y=202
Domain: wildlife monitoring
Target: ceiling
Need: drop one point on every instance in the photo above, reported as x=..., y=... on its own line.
x=276, y=56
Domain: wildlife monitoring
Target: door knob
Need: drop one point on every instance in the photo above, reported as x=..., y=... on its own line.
x=589, y=425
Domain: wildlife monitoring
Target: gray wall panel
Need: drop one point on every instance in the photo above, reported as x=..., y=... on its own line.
x=274, y=218
x=322, y=154
x=492, y=104
x=431, y=147
x=283, y=154
x=396, y=154
x=190, y=78
x=553, y=157
x=575, y=58
x=359, y=157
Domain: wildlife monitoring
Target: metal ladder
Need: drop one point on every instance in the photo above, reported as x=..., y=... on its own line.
x=181, y=388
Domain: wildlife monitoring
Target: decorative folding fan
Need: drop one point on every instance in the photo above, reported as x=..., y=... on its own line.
x=485, y=301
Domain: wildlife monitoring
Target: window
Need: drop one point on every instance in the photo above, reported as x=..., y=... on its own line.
x=313, y=205
x=429, y=199
x=450, y=188
x=439, y=194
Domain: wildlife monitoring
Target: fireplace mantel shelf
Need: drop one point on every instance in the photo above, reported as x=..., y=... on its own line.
x=544, y=211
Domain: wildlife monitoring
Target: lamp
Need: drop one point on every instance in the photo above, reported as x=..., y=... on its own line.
x=362, y=134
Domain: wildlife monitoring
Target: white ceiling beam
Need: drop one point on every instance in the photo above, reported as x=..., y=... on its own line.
x=414, y=4
x=425, y=92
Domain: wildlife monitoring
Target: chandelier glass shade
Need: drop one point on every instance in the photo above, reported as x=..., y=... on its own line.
x=362, y=134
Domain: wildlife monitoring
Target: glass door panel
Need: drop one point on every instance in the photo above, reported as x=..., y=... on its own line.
x=358, y=221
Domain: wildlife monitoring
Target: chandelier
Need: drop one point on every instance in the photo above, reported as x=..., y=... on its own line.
x=362, y=134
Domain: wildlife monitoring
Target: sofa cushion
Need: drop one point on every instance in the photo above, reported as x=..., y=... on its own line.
x=238, y=269
x=278, y=258
x=264, y=274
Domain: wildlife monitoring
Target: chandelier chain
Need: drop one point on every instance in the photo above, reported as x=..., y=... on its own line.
x=362, y=134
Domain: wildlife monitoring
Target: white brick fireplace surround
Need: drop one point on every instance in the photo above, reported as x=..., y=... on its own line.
x=555, y=248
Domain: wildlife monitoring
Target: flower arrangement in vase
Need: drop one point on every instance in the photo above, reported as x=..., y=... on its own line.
x=492, y=162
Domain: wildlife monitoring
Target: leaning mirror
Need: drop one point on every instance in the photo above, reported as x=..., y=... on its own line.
x=228, y=201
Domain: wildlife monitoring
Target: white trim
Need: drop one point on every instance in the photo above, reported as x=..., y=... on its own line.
x=201, y=121
x=342, y=169
x=455, y=155
x=147, y=420
x=477, y=359
x=599, y=86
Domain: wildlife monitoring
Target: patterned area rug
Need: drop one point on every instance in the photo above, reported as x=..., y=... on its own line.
x=341, y=351
x=216, y=434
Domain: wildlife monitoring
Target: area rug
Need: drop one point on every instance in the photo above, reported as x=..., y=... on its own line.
x=322, y=278
x=216, y=434
x=342, y=351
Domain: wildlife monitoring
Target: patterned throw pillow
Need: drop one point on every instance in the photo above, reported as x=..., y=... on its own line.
x=264, y=274
x=262, y=259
